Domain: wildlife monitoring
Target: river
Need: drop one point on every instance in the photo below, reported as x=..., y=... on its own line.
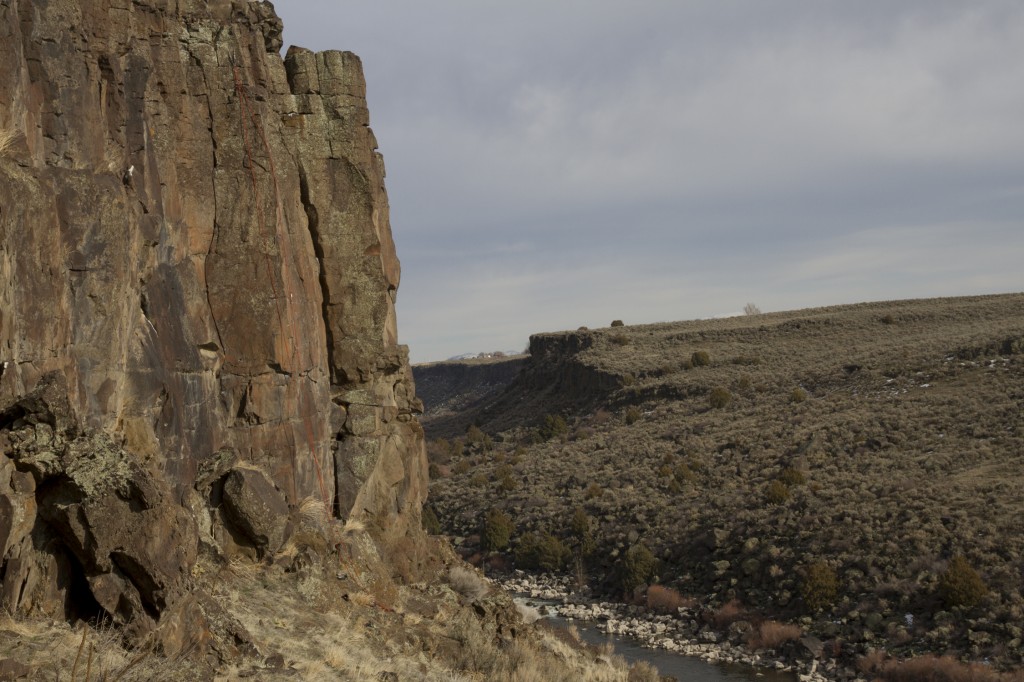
x=683, y=668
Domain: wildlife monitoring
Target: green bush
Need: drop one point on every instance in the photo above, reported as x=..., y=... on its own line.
x=777, y=492
x=617, y=323
x=554, y=426
x=960, y=585
x=819, y=586
x=719, y=397
x=700, y=358
x=583, y=537
x=462, y=467
x=798, y=395
x=684, y=474
x=637, y=568
x=632, y=415
x=503, y=474
x=496, y=531
x=792, y=477
x=431, y=524
x=474, y=436
x=541, y=551
x=593, y=491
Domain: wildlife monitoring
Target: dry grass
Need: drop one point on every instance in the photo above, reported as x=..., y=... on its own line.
x=87, y=653
x=8, y=136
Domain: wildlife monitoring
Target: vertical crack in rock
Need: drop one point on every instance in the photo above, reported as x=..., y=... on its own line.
x=313, y=224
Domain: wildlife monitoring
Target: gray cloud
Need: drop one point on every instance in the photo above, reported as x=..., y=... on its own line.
x=551, y=166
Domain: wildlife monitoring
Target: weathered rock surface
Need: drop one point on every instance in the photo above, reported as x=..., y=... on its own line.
x=194, y=237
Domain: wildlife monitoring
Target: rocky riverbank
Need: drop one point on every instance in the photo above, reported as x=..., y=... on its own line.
x=684, y=632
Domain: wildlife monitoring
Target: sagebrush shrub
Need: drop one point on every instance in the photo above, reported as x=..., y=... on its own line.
x=776, y=492
x=719, y=397
x=506, y=481
x=617, y=323
x=467, y=582
x=798, y=395
x=632, y=415
x=792, y=477
x=700, y=358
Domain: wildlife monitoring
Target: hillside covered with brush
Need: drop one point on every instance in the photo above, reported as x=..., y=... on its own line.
x=855, y=469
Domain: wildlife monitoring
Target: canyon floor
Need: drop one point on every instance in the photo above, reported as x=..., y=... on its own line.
x=853, y=470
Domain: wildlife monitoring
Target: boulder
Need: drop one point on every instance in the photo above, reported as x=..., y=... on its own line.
x=256, y=508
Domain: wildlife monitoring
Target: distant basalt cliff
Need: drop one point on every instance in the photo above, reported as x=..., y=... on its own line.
x=516, y=391
x=454, y=385
x=197, y=286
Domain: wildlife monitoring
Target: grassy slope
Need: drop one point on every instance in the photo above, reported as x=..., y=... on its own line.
x=340, y=615
x=904, y=420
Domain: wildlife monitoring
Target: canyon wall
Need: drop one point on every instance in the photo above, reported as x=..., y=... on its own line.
x=197, y=287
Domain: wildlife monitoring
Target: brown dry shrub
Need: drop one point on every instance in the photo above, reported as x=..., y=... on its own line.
x=770, y=634
x=930, y=668
x=872, y=661
x=666, y=600
x=728, y=613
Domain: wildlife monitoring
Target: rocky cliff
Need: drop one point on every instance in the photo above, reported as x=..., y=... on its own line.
x=555, y=376
x=454, y=385
x=197, y=286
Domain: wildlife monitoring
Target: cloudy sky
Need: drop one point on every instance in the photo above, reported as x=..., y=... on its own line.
x=560, y=163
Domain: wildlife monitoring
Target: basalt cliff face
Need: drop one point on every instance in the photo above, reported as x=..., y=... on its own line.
x=197, y=286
